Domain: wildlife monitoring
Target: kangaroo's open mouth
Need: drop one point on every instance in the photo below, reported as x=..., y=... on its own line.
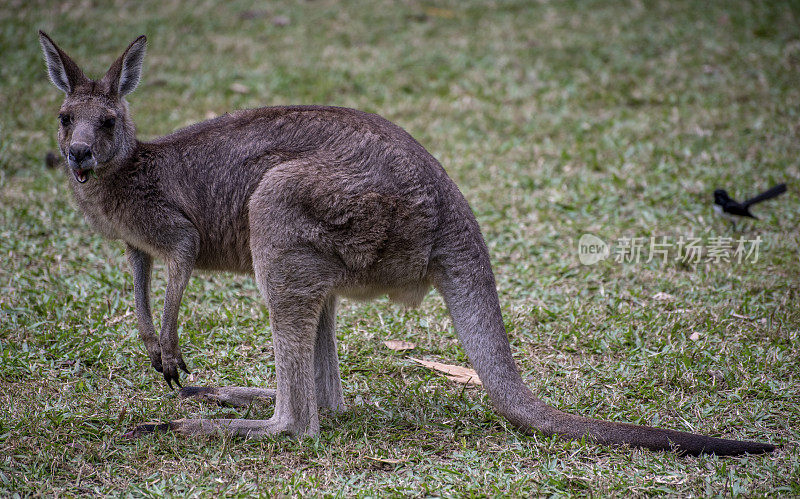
x=81, y=175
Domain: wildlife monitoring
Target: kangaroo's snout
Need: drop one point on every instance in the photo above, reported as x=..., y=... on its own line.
x=78, y=153
x=81, y=159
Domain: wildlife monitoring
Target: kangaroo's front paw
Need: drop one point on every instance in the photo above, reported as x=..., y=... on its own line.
x=169, y=368
x=155, y=360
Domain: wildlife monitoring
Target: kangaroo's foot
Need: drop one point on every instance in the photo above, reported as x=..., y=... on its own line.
x=243, y=428
x=228, y=396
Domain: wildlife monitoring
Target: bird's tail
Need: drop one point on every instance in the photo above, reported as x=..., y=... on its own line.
x=769, y=194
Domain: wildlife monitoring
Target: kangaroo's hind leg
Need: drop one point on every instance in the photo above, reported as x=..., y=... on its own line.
x=326, y=360
x=326, y=373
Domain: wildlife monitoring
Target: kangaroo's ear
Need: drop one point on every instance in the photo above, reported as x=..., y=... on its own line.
x=63, y=71
x=124, y=74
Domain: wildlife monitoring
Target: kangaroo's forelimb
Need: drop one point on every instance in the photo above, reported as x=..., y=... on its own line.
x=141, y=266
x=179, y=270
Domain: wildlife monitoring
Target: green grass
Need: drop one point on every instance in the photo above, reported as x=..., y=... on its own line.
x=556, y=119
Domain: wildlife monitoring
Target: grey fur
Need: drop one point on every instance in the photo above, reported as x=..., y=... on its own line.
x=317, y=202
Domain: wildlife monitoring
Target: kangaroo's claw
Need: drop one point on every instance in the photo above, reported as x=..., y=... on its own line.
x=171, y=375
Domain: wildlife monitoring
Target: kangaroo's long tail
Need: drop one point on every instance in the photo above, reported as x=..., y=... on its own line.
x=468, y=287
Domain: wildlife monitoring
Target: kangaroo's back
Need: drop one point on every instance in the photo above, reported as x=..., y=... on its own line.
x=210, y=170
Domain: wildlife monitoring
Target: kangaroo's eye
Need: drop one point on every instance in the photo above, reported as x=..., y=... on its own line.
x=65, y=118
x=108, y=123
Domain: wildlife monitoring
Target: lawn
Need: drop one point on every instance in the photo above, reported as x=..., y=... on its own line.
x=556, y=119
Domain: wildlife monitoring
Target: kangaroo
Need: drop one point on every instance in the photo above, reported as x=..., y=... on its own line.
x=316, y=202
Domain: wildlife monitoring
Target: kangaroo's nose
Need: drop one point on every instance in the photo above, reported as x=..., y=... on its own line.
x=79, y=152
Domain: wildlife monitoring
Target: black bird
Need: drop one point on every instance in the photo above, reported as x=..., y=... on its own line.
x=735, y=211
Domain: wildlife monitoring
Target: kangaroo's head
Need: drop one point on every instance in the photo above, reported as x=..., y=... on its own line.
x=95, y=128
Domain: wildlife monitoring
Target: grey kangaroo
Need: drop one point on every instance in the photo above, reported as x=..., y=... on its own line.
x=316, y=202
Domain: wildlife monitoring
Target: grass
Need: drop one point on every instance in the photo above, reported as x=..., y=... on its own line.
x=556, y=119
